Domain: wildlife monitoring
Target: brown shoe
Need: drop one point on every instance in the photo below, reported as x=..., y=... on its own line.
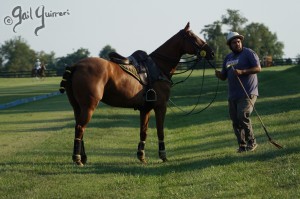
x=252, y=147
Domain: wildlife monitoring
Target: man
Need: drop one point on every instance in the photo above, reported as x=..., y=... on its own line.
x=241, y=64
x=37, y=65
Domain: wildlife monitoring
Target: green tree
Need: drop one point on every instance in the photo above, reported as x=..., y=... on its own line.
x=105, y=51
x=216, y=39
x=259, y=38
x=16, y=55
x=298, y=58
x=47, y=59
x=234, y=20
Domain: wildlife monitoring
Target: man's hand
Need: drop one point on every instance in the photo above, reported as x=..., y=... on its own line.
x=238, y=72
x=219, y=75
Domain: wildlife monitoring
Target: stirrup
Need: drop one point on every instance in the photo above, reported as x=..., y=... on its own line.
x=151, y=95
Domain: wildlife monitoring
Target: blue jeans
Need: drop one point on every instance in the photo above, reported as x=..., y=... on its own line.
x=240, y=111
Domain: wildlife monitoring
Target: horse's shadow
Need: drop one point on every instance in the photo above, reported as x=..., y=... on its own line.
x=153, y=168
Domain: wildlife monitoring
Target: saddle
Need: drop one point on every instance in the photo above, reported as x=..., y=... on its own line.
x=117, y=58
x=140, y=66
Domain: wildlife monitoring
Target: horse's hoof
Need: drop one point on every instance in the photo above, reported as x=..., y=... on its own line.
x=83, y=159
x=162, y=155
x=141, y=156
x=143, y=161
x=79, y=163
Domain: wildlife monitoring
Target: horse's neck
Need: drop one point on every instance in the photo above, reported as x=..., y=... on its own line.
x=166, y=60
x=168, y=55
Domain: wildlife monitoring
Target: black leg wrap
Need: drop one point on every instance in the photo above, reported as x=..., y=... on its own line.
x=141, y=146
x=83, y=155
x=76, y=152
x=162, y=151
x=161, y=146
x=77, y=147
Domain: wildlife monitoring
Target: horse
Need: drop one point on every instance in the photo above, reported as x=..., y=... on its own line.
x=94, y=79
x=40, y=73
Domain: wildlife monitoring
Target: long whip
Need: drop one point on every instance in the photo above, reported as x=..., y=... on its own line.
x=264, y=127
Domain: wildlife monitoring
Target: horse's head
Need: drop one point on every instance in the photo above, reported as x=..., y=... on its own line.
x=168, y=55
x=194, y=45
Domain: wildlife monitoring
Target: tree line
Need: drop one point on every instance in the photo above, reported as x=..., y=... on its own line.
x=257, y=36
x=16, y=54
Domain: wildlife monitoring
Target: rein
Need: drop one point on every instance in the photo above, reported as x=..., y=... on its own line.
x=177, y=73
x=192, y=112
x=189, y=69
x=200, y=53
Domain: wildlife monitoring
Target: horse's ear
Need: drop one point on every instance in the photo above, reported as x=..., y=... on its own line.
x=187, y=27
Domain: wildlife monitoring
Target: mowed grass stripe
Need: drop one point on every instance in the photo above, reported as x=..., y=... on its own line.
x=12, y=89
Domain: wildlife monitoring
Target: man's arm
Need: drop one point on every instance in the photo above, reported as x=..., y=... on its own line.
x=252, y=70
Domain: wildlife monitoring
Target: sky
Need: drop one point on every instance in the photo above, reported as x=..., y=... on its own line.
x=64, y=26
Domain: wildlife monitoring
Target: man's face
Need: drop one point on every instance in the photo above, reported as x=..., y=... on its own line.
x=236, y=45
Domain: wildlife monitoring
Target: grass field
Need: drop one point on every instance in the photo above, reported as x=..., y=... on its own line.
x=36, y=143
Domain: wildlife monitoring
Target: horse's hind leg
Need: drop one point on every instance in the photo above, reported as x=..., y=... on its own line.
x=83, y=116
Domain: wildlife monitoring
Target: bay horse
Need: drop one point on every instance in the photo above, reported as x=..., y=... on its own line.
x=40, y=73
x=92, y=80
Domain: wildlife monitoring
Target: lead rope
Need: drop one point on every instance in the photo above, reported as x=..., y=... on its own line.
x=192, y=111
x=191, y=69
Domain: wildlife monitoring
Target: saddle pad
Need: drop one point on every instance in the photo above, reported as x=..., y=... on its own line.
x=130, y=69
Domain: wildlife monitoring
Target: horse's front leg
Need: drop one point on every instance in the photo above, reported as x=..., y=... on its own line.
x=144, y=121
x=160, y=114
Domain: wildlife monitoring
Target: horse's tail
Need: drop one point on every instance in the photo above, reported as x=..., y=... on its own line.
x=66, y=78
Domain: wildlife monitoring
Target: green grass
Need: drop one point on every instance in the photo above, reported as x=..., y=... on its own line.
x=36, y=143
x=13, y=89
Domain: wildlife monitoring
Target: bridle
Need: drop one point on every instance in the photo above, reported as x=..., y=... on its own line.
x=200, y=52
